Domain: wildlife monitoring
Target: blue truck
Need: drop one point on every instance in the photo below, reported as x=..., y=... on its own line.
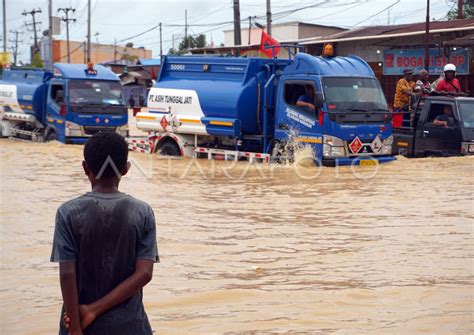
x=69, y=104
x=237, y=108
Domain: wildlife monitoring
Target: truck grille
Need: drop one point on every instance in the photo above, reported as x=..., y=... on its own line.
x=92, y=130
x=366, y=149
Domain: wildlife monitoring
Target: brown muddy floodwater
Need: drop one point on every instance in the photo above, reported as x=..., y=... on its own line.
x=260, y=249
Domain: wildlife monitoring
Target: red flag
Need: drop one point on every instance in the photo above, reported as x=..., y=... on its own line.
x=266, y=41
x=153, y=74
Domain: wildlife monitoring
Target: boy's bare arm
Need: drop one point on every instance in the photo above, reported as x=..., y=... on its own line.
x=142, y=276
x=67, y=277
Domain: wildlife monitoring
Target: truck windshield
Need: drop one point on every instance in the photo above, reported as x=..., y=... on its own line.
x=95, y=92
x=354, y=95
x=466, y=108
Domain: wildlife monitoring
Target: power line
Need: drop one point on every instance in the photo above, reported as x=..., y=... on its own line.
x=371, y=16
x=73, y=51
x=215, y=24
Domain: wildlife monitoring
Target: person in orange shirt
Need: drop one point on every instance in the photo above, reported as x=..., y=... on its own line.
x=403, y=92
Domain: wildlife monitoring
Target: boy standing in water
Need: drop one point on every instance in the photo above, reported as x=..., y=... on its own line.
x=105, y=243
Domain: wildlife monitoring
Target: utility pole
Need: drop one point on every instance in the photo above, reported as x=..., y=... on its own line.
x=250, y=27
x=460, y=5
x=85, y=51
x=15, y=42
x=89, y=30
x=237, y=34
x=50, y=34
x=161, y=44
x=269, y=18
x=115, y=51
x=4, y=25
x=427, y=36
x=172, y=42
x=185, y=28
x=67, y=20
x=33, y=13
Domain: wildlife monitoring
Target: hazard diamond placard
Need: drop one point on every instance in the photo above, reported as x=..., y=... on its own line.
x=164, y=122
x=376, y=145
x=355, y=145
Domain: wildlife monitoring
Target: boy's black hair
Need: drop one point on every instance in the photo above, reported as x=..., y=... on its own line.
x=101, y=146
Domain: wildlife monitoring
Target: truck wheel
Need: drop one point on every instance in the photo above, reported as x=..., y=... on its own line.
x=51, y=136
x=169, y=148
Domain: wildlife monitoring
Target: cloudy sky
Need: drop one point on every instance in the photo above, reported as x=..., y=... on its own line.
x=122, y=20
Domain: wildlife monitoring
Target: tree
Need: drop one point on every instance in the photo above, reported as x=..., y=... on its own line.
x=467, y=10
x=193, y=42
x=128, y=57
x=175, y=52
x=37, y=61
x=200, y=41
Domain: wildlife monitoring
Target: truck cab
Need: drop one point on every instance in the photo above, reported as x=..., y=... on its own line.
x=427, y=137
x=70, y=104
x=350, y=123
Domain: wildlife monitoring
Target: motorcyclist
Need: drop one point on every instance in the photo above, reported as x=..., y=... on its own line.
x=449, y=83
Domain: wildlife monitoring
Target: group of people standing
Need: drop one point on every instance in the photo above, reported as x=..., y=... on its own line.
x=408, y=89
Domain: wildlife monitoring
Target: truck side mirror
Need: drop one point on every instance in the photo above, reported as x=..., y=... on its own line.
x=59, y=96
x=318, y=100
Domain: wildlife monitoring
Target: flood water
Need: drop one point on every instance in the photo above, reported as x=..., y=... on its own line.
x=260, y=249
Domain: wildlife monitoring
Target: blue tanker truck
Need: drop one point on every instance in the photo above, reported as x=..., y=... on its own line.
x=247, y=108
x=70, y=104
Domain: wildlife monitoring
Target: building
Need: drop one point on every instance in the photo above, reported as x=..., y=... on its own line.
x=100, y=53
x=289, y=32
x=390, y=49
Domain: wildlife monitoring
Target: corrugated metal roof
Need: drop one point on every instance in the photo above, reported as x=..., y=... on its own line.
x=374, y=32
x=462, y=41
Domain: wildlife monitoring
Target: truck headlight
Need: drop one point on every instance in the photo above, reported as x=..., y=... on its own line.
x=123, y=130
x=72, y=126
x=387, y=146
x=72, y=129
x=467, y=148
x=333, y=146
x=333, y=141
x=388, y=140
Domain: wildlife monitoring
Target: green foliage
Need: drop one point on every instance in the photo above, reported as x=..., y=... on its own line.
x=128, y=57
x=174, y=52
x=37, y=62
x=193, y=42
x=200, y=41
x=467, y=10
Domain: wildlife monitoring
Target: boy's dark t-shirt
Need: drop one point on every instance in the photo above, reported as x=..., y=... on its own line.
x=105, y=234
